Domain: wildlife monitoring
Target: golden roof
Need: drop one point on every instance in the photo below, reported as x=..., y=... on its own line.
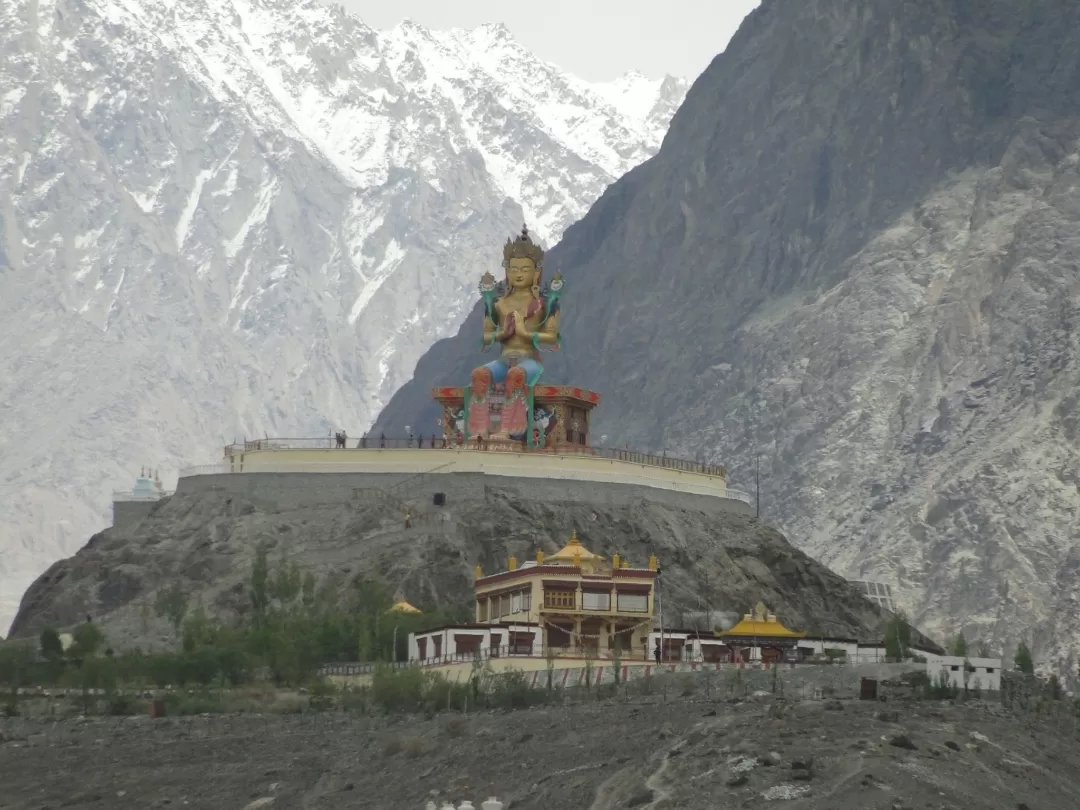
x=760, y=623
x=574, y=552
x=401, y=606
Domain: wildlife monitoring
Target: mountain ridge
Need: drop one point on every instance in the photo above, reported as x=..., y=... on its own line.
x=853, y=258
x=246, y=218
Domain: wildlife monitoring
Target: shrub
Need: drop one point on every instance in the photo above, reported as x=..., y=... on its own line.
x=607, y=691
x=416, y=747
x=398, y=690
x=510, y=690
x=453, y=725
x=442, y=694
x=183, y=705
x=356, y=699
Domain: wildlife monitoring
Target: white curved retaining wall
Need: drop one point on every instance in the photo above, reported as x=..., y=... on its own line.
x=515, y=465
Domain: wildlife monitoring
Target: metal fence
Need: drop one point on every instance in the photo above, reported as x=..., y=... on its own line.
x=439, y=443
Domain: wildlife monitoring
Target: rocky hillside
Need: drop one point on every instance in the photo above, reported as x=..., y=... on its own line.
x=856, y=257
x=204, y=538
x=230, y=218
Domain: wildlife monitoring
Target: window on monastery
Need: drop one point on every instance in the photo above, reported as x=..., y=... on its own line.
x=467, y=644
x=482, y=613
x=560, y=599
x=634, y=602
x=596, y=601
x=515, y=602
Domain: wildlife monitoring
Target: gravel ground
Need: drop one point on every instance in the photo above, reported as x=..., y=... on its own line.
x=687, y=753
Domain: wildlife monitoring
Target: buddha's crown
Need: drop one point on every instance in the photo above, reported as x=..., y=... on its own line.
x=523, y=248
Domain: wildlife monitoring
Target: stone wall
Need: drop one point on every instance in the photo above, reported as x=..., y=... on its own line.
x=297, y=489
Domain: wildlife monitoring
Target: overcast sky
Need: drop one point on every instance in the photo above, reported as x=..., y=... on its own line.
x=594, y=39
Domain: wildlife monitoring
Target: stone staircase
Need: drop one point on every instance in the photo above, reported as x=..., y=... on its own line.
x=400, y=498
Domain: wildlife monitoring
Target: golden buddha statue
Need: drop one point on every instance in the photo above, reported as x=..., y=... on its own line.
x=523, y=318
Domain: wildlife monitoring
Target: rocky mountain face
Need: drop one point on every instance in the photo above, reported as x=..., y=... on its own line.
x=345, y=526
x=249, y=217
x=856, y=259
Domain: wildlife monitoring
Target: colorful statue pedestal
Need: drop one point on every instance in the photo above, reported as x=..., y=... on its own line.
x=558, y=418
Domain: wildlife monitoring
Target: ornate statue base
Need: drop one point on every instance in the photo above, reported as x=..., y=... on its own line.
x=558, y=416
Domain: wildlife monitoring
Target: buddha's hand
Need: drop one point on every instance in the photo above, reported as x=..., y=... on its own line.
x=520, y=322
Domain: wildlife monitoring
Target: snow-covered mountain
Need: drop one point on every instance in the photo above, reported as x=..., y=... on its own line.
x=242, y=217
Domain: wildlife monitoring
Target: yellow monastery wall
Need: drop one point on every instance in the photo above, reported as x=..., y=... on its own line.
x=520, y=465
x=535, y=583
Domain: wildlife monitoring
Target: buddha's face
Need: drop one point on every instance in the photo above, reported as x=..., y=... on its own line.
x=521, y=273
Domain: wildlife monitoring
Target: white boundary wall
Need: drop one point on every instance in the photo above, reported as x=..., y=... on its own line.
x=515, y=465
x=985, y=673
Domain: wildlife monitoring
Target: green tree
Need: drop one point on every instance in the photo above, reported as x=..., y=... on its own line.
x=960, y=645
x=893, y=650
x=260, y=577
x=897, y=637
x=171, y=604
x=903, y=630
x=308, y=594
x=983, y=650
x=1023, y=660
x=52, y=651
x=285, y=585
x=52, y=648
x=199, y=631
x=87, y=640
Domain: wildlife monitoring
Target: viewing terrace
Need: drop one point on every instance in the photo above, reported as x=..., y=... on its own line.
x=429, y=454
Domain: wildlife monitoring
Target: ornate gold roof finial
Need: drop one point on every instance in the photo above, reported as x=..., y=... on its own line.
x=615, y=561
x=540, y=557
x=760, y=611
x=478, y=572
x=512, y=563
x=653, y=562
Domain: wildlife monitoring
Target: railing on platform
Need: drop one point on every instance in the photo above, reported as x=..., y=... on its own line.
x=123, y=495
x=434, y=442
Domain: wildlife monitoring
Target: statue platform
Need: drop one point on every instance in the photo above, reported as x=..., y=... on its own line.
x=423, y=455
x=560, y=415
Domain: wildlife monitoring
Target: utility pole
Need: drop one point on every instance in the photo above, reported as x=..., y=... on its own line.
x=660, y=610
x=754, y=408
x=757, y=478
x=708, y=603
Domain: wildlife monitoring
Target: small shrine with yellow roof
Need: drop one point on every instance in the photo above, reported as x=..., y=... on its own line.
x=573, y=603
x=761, y=630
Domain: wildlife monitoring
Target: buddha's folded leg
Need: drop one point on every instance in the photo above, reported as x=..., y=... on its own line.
x=515, y=415
x=479, y=408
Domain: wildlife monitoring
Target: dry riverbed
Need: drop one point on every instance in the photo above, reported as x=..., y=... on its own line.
x=686, y=754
